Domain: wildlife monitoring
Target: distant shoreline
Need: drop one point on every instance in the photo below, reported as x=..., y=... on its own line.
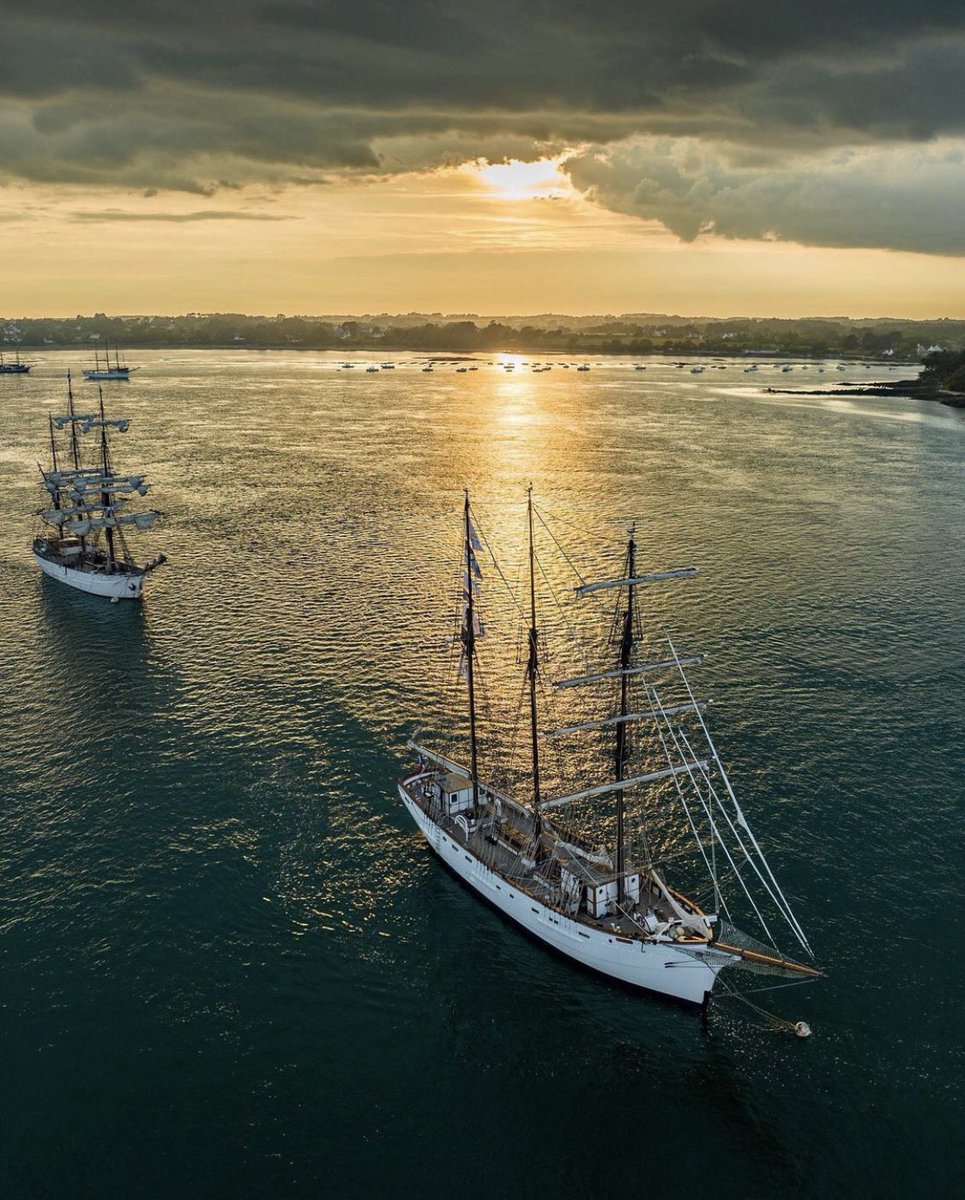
x=436, y=354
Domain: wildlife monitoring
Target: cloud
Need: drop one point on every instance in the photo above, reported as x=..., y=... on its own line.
x=898, y=197
x=198, y=98
x=114, y=214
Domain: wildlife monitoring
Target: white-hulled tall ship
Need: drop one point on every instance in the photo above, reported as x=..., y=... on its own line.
x=87, y=500
x=586, y=871
x=104, y=370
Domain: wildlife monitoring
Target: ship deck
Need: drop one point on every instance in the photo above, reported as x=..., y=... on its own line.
x=510, y=853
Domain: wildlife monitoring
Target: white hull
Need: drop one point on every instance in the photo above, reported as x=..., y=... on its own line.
x=656, y=967
x=123, y=586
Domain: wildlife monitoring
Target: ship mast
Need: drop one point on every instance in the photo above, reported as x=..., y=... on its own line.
x=622, y=740
x=469, y=651
x=74, y=445
x=532, y=667
x=106, y=495
x=53, y=446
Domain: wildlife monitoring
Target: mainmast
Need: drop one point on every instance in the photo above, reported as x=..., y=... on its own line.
x=622, y=749
x=532, y=668
x=53, y=444
x=106, y=499
x=74, y=445
x=469, y=651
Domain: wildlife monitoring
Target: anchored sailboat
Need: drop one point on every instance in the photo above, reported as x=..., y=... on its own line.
x=595, y=886
x=13, y=368
x=87, y=546
x=104, y=369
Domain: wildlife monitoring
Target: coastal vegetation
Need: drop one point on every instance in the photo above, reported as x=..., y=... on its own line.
x=945, y=369
x=434, y=333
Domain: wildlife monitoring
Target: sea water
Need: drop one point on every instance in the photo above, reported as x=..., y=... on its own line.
x=230, y=968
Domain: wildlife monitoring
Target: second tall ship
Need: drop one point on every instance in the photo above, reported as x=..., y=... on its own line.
x=87, y=508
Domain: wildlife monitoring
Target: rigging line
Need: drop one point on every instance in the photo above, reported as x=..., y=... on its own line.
x=700, y=844
x=482, y=533
x=556, y=543
x=569, y=561
x=747, y=856
x=774, y=987
x=673, y=733
x=776, y=899
x=789, y=915
x=775, y=1021
x=569, y=628
x=592, y=537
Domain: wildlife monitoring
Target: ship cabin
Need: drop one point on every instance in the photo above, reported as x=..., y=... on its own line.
x=597, y=893
x=452, y=792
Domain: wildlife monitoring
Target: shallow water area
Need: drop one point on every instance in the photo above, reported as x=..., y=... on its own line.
x=231, y=968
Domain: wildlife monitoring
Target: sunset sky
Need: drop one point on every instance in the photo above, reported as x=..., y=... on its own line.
x=319, y=156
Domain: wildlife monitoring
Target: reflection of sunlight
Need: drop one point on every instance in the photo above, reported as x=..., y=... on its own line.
x=516, y=180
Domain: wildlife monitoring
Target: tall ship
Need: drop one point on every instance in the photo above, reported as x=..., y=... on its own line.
x=104, y=369
x=87, y=512
x=13, y=368
x=603, y=870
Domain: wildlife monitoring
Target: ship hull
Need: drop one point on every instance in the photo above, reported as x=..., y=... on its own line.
x=123, y=586
x=95, y=376
x=650, y=966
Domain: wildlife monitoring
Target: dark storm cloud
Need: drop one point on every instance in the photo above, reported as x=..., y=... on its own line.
x=195, y=96
x=904, y=199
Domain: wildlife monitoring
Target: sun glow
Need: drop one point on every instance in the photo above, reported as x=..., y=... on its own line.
x=517, y=180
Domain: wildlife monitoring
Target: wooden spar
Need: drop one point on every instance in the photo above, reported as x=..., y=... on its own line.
x=602, y=788
x=693, y=660
x=653, y=577
x=671, y=711
x=769, y=960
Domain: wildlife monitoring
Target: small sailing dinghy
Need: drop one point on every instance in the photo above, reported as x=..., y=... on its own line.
x=588, y=870
x=87, y=502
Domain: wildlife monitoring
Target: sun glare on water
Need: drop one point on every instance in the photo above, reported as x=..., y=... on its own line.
x=518, y=180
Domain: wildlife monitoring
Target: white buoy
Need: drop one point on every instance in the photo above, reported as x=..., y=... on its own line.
x=802, y=1029
x=114, y=599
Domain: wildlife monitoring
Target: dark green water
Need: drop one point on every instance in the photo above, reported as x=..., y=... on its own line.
x=229, y=967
